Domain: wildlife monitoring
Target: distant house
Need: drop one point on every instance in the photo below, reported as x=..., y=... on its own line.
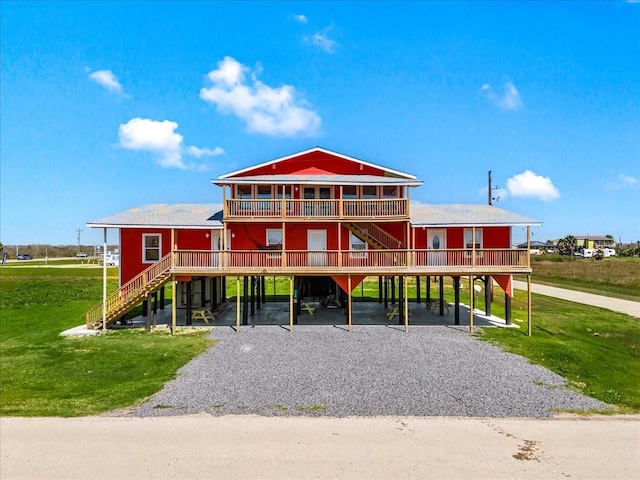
x=320, y=219
x=595, y=241
x=538, y=248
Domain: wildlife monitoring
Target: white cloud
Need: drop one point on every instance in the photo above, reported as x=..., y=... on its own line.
x=106, y=79
x=321, y=39
x=509, y=100
x=272, y=111
x=623, y=181
x=204, y=152
x=161, y=138
x=300, y=18
x=529, y=185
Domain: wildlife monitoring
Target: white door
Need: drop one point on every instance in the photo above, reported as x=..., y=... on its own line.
x=317, y=242
x=436, y=240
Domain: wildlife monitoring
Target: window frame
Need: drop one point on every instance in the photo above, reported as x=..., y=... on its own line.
x=357, y=252
x=145, y=248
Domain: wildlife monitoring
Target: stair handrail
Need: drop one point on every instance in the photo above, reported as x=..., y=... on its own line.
x=379, y=234
x=129, y=291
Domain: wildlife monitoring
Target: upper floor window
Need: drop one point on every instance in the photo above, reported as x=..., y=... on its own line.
x=151, y=248
x=243, y=191
x=389, y=191
x=350, y=192
x=287, y=192
x=369, y=192
x=264, y=191
x=469, y=240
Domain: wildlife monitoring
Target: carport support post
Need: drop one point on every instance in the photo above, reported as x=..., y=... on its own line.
x=456, y=293
x=379, y=289
x=487, y=295
x=428, y=290
x=441, y=295
x=237, y=304
x=253, y=296
x=349, y=301
x=245, y=300
x=401, y=296
x=406, y=305
x=471, y=295
x=529, y=305
x=104, y=282
x=291, y=304
x=174, y=308
x=507, y=308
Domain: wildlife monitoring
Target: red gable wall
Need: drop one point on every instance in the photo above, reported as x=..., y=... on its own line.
x=329, y=163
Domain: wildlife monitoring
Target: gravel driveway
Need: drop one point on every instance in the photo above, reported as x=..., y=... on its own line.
x=326, y=371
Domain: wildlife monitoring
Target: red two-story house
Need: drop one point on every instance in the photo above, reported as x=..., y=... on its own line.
x=321, y=219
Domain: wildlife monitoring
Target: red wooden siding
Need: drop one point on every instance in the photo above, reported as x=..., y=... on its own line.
x=330, y=163
x=131, y=263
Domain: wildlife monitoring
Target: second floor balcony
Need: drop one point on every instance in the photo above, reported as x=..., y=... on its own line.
x=325, y=209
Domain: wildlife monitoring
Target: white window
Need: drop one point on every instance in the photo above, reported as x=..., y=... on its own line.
x=358, y=247
x=151, y=248
x=274, y=241
x=470, y=242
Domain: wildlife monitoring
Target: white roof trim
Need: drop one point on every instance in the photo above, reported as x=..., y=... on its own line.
x=323, y=150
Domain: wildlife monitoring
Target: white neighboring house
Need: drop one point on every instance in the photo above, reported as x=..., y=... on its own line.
x=113, y=259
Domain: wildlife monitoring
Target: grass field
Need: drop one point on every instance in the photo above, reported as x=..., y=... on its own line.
x=44, y=374
x=617, y=277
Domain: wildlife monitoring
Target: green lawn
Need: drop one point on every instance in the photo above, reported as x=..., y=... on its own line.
x=597, y=350
x=44, y=374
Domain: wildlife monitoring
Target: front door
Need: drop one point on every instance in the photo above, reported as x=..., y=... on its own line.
x=436, y=240
x=317, y=244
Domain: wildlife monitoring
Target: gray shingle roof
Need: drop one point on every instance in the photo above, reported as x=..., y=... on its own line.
x=465, y=215
x=206, y=215
x=194, y=215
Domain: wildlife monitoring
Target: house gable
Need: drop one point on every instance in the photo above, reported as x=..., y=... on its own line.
x=318, y=161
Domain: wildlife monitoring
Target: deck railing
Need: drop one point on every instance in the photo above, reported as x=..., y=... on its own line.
x=275, y=261
x=331, y=208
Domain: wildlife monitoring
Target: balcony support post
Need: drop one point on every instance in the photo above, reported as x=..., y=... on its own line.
x=456, y=293
x=291, y=304
x=401, y=294
x=441, y=295
x=386, y=292
x=174, y=307
x=379, y=289
x=471, y=295
x=487, y=295
x=406, y=304
x=507, y=308
x=237, y=304
x=245, y=300
x=529, y=305
x=349, y=301
x=418, y=289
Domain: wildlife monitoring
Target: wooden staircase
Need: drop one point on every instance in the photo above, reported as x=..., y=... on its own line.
x=129, y=295
x=375, y=236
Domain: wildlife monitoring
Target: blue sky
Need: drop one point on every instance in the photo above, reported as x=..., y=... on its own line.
x=110, y=105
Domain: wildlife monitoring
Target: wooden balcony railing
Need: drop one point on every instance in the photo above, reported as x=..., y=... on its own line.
x=333, y=261
x=335, y=208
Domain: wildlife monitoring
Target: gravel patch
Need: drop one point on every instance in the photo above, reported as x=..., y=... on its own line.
x=326, y=371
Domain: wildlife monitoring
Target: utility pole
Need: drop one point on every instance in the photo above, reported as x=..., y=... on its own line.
x=78, y=232
x=490, y=191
